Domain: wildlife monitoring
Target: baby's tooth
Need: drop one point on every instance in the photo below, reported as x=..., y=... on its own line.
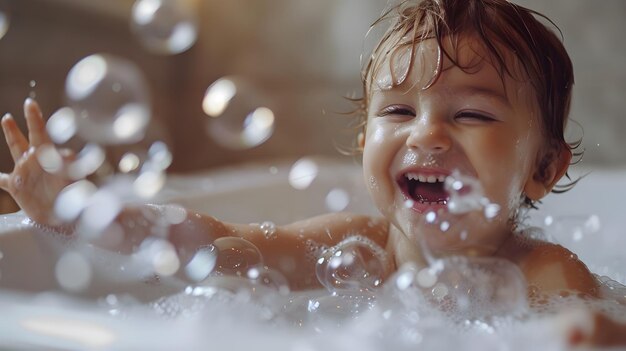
x=422, y=178
x=441, y=178
x=432, y=179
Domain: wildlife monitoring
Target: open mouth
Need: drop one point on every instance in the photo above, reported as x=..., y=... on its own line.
x=424, y=189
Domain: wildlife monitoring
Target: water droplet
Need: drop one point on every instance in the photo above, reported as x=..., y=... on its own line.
x=235, y=255
x=49, y=158
x=72, y=200
x=32, y=83
x=239, y=118
x=160, y=254
x=431, y=217
x=592, y=224
x=164, y=26
x=104, y=116
x=409, y=203
x=337, y=200
x=129, y=162
x=88, y=160
x=426, y=277
x=61, y=126
x=102, y=208
x=269, y=229
x=273, y=170
x=354, y=263
x=202, y=263
x=174, y=214
x=73, y=271
x=548, y=221
x=444, y=226
x=302, y=173
x=148, y=184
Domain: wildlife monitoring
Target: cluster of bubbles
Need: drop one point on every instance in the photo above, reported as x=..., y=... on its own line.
x=464, y=287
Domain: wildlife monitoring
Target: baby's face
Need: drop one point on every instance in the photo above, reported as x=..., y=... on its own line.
x=476, y=123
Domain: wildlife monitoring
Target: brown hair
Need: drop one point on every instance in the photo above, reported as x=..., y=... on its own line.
x=504, y=29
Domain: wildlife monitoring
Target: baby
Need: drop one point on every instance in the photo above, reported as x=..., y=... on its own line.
x=477, y=89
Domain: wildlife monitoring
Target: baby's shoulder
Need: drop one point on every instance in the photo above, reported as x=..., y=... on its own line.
x=553, y=268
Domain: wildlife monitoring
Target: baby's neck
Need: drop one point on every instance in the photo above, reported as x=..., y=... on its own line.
x=402, y=250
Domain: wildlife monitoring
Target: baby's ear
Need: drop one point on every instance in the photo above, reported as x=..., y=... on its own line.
x=360, y=139
x=549, y=168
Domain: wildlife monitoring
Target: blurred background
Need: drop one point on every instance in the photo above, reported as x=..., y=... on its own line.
x=291, y=61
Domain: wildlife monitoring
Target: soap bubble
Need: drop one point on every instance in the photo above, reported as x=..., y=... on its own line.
x=4, y=23
x=109, y=96
x=235, y=256
x=269, y=277
x=239, y=116
x=164, y=26
x=302, y=173
x=356, y=263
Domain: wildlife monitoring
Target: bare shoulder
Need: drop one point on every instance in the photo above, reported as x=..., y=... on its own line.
x=552, y=268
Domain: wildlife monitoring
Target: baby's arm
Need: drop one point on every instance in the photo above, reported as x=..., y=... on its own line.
x=35, y=191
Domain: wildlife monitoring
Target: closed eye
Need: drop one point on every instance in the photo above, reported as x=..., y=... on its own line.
x=396, y=110
x=472, y=116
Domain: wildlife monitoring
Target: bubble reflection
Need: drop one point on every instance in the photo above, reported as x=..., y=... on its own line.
x=235, y=256
x=202, y=263
x=164, y=26
x=269, y=277
x=106, y=115
x=239, y=119
x=356, y=263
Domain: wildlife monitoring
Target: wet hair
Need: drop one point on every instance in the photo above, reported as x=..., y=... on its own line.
x=506, y=30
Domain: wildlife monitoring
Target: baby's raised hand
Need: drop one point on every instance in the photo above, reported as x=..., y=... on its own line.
x=33, y=188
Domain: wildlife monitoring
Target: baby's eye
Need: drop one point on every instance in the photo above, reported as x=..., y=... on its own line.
x=396, y=110
x=473, y=116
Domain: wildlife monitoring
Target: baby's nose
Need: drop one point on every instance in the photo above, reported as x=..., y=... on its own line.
x=430, y=136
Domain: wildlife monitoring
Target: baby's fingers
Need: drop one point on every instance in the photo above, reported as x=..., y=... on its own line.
x=15, y=139
x=36, y=126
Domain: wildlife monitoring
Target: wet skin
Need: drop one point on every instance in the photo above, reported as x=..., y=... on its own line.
x=478, y=123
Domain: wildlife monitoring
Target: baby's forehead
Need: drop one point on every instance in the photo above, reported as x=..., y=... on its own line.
x=418, y=65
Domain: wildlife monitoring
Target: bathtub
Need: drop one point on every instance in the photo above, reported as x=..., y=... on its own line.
x=37, y=313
